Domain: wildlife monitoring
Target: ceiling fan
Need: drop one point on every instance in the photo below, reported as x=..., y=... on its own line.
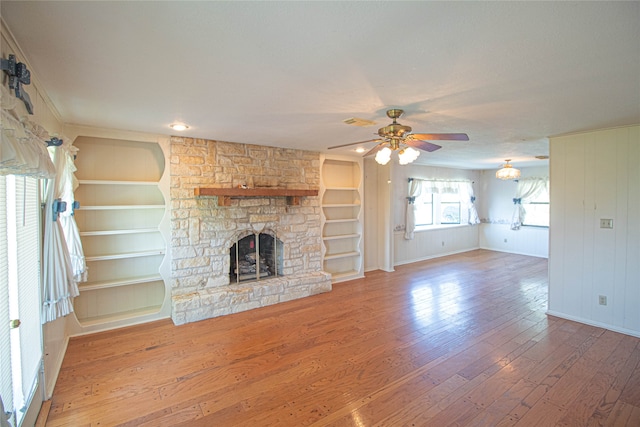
x=396, y=137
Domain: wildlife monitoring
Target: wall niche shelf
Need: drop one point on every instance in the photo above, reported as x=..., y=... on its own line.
x=226, y=194
x=121, y=219
x=342, y=217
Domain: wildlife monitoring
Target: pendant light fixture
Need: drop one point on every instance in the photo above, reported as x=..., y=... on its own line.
x=508, y=172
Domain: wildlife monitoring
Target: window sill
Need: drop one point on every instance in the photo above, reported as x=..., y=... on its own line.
x=436, y=227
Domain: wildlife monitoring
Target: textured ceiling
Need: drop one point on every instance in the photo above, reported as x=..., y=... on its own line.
x=509, y=74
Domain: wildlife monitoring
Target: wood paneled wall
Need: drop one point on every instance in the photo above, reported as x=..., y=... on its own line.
x=533, y=241
x=594, y=176
x=429, y=244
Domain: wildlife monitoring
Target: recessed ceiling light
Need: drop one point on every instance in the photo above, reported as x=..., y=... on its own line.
x=360, y=150
x=178, y=126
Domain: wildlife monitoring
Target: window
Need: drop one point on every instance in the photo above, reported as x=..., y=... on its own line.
x=445, y=206
x=449, y=209
x=424, y=210
x=537, y=210
x=434, y=202
x=531, y=203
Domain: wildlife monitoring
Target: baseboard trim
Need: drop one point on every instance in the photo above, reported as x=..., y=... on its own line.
x=590, y=322
x=440, y=255
x=514, y=252
x=50, y=378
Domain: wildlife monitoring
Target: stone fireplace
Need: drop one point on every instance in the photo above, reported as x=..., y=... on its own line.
x=207, y=239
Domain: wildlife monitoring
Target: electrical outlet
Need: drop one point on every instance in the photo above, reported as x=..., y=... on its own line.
x=442, y=243
x=606, y=223
x=602, y=299
x=505, y=240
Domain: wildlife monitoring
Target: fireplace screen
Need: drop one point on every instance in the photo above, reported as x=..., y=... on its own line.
x=255, y=257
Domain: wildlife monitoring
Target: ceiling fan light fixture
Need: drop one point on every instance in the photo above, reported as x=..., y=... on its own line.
x=508, y=172
x=383, y=156
x=408, y=155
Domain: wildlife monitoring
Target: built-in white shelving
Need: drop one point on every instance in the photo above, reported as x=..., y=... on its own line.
x=341, y=236
x=116, y=232
x=115, y=182
x=117, y=283
x=342, y=217
x=124, y=255
x=121, y=209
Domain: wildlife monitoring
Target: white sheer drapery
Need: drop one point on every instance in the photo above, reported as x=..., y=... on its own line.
x=415, y=189
x=68, y=184
x=438, y=186
x=467, y=199
x=527, y=190
x=23, y=150
x=58, y=276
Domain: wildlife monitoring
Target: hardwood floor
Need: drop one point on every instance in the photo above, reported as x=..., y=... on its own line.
x=459, y=340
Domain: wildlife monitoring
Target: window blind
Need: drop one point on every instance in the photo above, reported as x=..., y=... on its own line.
x=28, y=267
x=6, y=383
x=21, y=290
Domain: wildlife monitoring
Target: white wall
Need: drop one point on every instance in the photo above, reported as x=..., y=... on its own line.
x=370, y=202
x=495, y=208
x=378, y=225
x=596, y=175
x=435, y=243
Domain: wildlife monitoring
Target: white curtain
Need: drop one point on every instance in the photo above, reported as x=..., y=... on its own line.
x=527, y=190
x=67, y=185
x=59, y=283
x=467, y=199
x=23, y=150
x=415, y=189
x=438, y=186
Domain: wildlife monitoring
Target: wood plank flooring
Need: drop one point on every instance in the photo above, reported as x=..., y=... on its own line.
x=460, y=340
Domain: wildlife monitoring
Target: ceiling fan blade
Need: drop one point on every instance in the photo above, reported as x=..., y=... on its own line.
x=423, y=145
x=375, y=149
x=354, y=143
x=441, y=136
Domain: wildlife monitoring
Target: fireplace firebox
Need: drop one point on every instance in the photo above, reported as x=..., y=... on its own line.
x=255, y=257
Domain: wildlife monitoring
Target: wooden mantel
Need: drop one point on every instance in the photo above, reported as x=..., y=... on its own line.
x=226, y=194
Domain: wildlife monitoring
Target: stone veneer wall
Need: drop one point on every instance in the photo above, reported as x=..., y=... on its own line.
x=202, y=232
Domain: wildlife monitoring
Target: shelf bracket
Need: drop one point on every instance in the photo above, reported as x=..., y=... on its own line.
x=224, y=200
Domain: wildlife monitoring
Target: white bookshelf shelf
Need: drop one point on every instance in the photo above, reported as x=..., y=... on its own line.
x=336, y=221
x=341, y=205
x=124, y=317
x=118, y=232
x=125, y=255
x=349, y=274
x=113, y=182
x=342, y=255
x=93, y=286
x=341, y=236
x=119, y=207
